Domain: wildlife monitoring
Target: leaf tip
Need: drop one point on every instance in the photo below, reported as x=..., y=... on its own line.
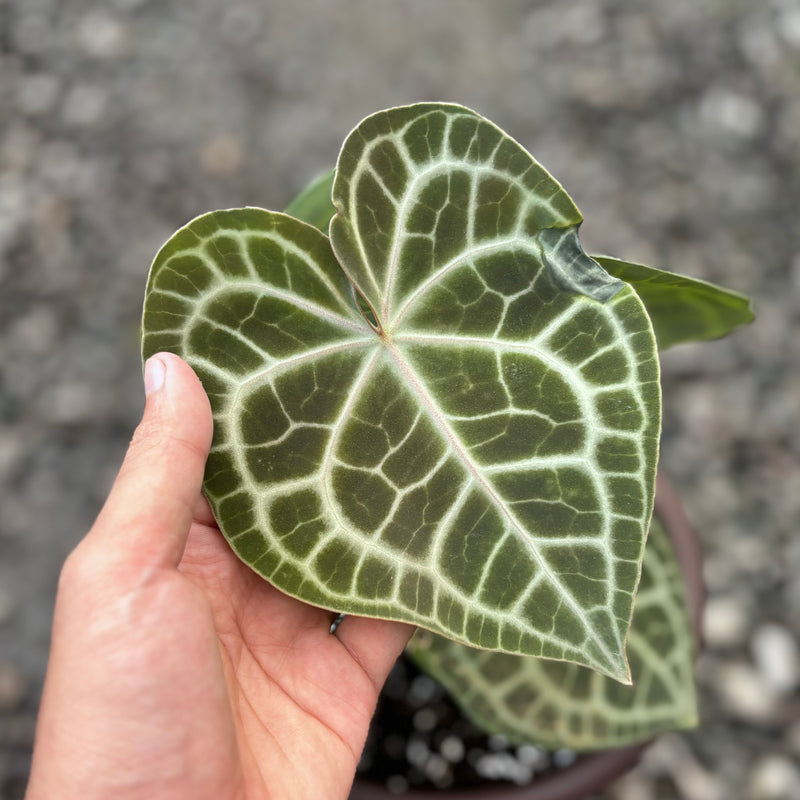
x=614, y=665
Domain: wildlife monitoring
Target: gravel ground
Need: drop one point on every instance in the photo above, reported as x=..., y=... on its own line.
x=674, y=125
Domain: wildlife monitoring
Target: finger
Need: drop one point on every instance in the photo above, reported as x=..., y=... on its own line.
x=374, y=643
x=203, y=514
x=151, y=505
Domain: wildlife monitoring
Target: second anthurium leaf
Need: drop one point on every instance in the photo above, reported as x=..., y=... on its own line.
x=313, y=205
x=554, y=704
x=682, y=309
x=446, y=414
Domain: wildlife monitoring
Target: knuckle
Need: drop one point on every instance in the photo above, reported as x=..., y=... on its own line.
x=77, y=572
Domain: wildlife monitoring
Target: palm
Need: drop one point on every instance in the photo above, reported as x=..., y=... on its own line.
x=298, y=700
x=175, y=671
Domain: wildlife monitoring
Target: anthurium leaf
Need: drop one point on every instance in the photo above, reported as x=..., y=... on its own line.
x=467, y=439
x=682, y=309
x=313, y=205
x=556, y=704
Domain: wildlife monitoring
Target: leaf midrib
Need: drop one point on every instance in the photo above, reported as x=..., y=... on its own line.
x=442, y=166
x=435, y=414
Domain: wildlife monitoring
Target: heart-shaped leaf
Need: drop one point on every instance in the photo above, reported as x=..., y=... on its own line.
x=453, y=421
x=554, y=704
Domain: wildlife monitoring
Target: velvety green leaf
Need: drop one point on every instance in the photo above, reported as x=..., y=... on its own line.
x=682, y=309
x=556, y=704
x=313, y=205
x=467, y=440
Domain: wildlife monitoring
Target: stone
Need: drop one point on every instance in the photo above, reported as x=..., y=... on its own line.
x=84, y=105
x=32, y=33
x=725, y=621
x=788, y=26
x=68, y=403
x=241, y=24
x=727, y=111
x=452, y=749
x=671, y=755
x=35, y=332
x=19, y=146
x=745, y=693
x=222, y=155
x=633, y=786
x=13, y=686
x=38, y=93
x=397, y=784
x=777, y=657
x=774, y=777
x=100, y=35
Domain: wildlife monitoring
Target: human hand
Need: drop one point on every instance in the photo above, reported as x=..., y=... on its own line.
x=177, y=672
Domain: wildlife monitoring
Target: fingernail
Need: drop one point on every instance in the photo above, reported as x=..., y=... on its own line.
x=155, y=371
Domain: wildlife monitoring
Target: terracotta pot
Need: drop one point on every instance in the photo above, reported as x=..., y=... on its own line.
x=590, y=773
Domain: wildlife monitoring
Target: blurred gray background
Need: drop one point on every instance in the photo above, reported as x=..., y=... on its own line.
x=675, y=126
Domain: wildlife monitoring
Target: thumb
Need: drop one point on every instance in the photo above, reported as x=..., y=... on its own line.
x=148, y=513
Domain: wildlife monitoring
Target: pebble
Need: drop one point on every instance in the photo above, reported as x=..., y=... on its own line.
x=19, y=146
x=582, y=23
x=633, y=786
x=727, y=111
x=745, y=692
x=423, y=689
x=503, y=766
x=34, y=332
x=68, y=403
x=84, y=105
x=241, y=24
x=777, y=657
x=438, y=770
x=760, y=43
x=32, y=33
x=397, y=784
x=100, y=35
x=425, y=719
x=671, y=755
x=452, y=749
x=417, y=751
x=788, y=25
x=726, y=621
x=13, y=686
x=533, y=757
x=38, y=93
x=222, y=155
x=774, y=777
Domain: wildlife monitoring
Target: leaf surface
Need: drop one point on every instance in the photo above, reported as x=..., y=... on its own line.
x=453, y=421
x=682, y=309
x=313, y=205
x=555, y=704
